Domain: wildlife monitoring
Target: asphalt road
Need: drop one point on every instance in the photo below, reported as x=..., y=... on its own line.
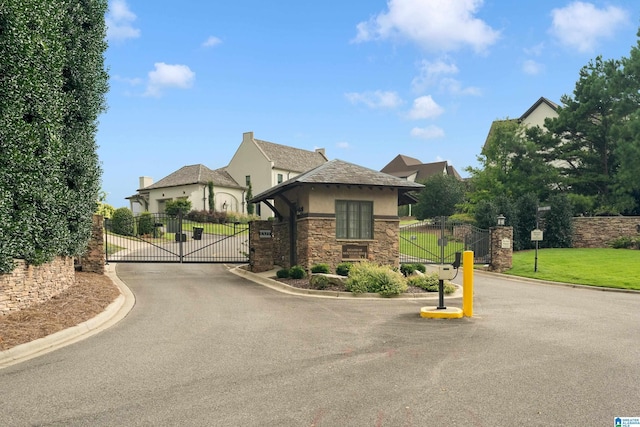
x=204, y=347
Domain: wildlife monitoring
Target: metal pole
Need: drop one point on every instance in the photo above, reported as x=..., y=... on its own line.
x=441, y=305
x=535, y=266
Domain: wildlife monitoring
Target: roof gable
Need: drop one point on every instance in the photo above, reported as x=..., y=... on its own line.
x=537, y=104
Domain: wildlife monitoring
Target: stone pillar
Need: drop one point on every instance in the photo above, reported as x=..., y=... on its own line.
x=501, y=248
x=260, y=246
x=94, y=258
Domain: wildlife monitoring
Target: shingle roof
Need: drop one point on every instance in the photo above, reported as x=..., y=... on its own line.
x=290, y=158
x=342, y=173
x=195, y=174
x=404, y=166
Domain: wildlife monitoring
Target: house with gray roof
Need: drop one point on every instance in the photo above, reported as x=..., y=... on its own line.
x=256, y=164
x=264, y=164
x=189, y=182
x=414, y=170
x=335, y=212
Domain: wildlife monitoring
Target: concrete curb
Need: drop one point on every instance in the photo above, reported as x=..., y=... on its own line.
x=262, y=279
x=114, y=312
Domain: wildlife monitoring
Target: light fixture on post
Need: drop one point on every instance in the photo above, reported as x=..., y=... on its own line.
x=501, y=219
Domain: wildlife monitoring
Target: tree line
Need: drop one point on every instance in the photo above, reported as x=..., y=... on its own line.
x=583, y=162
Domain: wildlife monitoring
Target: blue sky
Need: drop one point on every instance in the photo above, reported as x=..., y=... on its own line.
x=366, y=80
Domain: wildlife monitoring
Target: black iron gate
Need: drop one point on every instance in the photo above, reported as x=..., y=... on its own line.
x=437, y=241
x=161, y=238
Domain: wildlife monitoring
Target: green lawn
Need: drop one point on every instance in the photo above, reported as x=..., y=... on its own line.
x=613, y=268
x=413, y=242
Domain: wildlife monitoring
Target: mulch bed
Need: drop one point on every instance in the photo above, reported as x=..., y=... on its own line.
x=85, y=299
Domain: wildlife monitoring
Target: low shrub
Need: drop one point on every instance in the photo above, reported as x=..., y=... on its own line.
x=215, y=217
x=282, y=273
x=319, y=281
x=320, y=268
x=343, y=268
x=625, y=242
x=146, y=223
x=122, y=222
x=430, y=282
x=297, y=272
x=367, y=277
x=408, y=269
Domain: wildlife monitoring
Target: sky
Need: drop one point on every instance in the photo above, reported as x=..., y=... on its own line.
x=365, y=80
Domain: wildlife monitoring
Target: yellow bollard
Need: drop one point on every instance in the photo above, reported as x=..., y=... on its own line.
x=467, y=283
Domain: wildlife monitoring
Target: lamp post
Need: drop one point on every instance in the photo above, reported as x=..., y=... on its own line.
x=501, y=219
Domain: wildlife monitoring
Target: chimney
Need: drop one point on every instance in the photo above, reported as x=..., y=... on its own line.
x=321, y=151
x=145, y=181
x=247, y=136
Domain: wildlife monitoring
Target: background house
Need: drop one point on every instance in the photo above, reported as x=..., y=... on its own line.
x=264, y=164
x=414, y=170
x=534, y=116
x=258, y=163
x=189, y=182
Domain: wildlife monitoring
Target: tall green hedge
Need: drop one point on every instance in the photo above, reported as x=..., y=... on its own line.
x=52, y=87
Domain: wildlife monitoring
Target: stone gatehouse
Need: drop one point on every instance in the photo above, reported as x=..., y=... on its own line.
x=333, y=213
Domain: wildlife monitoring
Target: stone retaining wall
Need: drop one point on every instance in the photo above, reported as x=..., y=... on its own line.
x=27, y=284
x=598, y=232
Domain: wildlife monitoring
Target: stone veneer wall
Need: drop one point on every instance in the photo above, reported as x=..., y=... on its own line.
x=501, y=257
x=93, y=260
x=28, y=284
x=317, y=243
x=598, y=232
x=260, y=248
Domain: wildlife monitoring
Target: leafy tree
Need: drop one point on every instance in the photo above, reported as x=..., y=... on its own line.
x=580, y=139
x=511, y=165
x=558, y=223
x=485, y=214
x=527, y=208
x=439, y=197
x=178, y=206
x=52, y=85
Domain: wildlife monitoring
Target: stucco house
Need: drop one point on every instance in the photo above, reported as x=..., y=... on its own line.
x=189, y=182
x=534, y=116
x=256, y=163
x=333, y=213
x=264, y=164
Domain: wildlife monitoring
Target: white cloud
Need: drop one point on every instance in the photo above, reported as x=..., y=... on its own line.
x=376, y=99
x=119, y=22
x=436, y=74
x=343, y=145
x=211, y=42
x=532, y=67
x=534, y=50
x=435, y=25
x=581, y=25
x=425, y=107
x=430, y=132
x=167, y=76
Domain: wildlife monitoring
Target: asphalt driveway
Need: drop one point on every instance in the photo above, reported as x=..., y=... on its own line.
x=205, y=347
